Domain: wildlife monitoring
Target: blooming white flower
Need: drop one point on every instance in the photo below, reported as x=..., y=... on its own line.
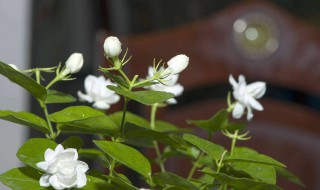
x=63, y=169
x=176, y=64
x=112, y=46
x=169, y=85
x=14, y=66
x=73, y=64
x=97, y=92
x=246, y=95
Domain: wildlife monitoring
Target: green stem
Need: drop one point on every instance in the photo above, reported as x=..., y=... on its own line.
x=45, y=110
x=195, y=166
x=125, y=106
x=234, y=140
x=155, y=143
x=111, y=169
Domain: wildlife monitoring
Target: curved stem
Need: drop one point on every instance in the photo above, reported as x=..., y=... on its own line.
x=234, y=140
x=195, y=166
x=45, y=110
x=155, y=143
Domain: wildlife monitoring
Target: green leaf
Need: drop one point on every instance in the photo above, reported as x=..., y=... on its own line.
x=74, y=113
x=167, y=178
x=289, y=176
x=122, y=184
x=25, y=118
x=243, y=154
x=130, y=117
x=24, y=178
x=73, y=142
x=142, y=136
x=94, y=125
x=116, y=78
x=58, y=97
x=242, y=183
x=147, y=97
x=32, y=151
x=127, y=156
x=218, y=122
x=94, y=154
x=24, y=81
x=166, y=127
x=213, y=150
x=95, y=183
x=265, y=173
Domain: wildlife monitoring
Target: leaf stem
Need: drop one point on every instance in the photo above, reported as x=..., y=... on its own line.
x=195, y=166
x=234, y=140
x=155, y=143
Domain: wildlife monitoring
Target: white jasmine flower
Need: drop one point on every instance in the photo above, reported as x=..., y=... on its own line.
x=176, y=64
x=169, y=85
x=97, y=92
x=112, y=47
x=73, y=64
x=63, y=169
x=246, y=95
x=14, y=66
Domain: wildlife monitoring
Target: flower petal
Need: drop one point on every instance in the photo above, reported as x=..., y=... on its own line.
x=232, y=81
x=254, y=104
x=43, y=165
x=237, y=111
x=257, y=89
x=44, y=180
x=171, y=101
x=102, y=105
x=84, y=97
x=59, y=149
x=53, y=180
x=49, y=154
x=249, y=113
x=81, y=180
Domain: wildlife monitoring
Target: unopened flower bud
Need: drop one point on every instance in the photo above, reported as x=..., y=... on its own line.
x=112, y=47
x=178, y=63
x=73, y=64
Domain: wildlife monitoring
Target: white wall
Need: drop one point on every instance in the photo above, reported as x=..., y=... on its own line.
x=14, y=48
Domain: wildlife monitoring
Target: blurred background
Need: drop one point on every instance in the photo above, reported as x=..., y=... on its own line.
x=277, y=41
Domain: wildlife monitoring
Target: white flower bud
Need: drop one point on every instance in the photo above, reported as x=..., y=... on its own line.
x=74, y=62
x=178, y=63
x=112, y=47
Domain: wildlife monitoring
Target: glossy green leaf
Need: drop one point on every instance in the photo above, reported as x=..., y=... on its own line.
x=116, y=78
x=263, y=172
x=147, y=97
x=213, y=150
x=126, y=155
x=122, y=184
x=95, y=183
x=24, y=81
x=289, y=176
x=32, y=151
x=166, y=127
x=167, y=178
x=54, y=96
x=24, y=178
x=74, y=113
x=73, y=142
x=242, y=183
x=130, y=117
x=243, y=154
x=142, y=136
x=93, y=125
x=25, y=118
x=94, y=154
x=218, y=122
